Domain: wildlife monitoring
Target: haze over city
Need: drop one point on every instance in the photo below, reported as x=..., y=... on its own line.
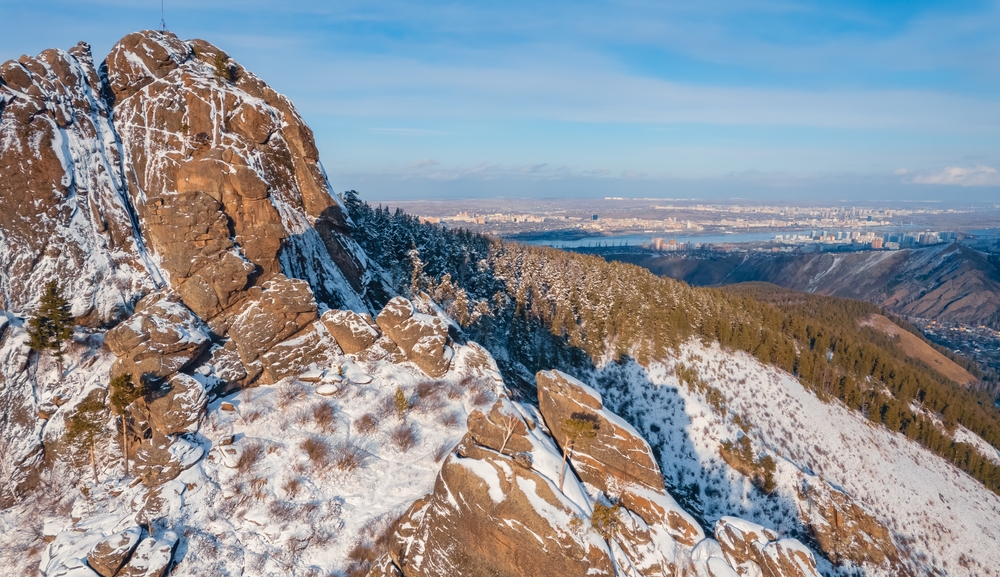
x=759, y=99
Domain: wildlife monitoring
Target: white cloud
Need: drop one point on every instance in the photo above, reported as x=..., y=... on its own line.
x=979, y=175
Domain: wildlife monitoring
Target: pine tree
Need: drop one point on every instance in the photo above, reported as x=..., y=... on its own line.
x=85, y=427
x=122, y=393
x=53, y=324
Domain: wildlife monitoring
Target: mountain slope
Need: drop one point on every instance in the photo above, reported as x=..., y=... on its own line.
x=950, y=283
x=282, y=430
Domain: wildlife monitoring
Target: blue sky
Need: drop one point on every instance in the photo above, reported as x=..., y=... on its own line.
x=776, y=99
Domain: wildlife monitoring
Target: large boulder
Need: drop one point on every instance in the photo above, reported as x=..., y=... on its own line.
x=275, y=311
x=160, y=459
x=178, y=406
x=161, y=338
x=354, y=332
x=488, y=516
x=616, y=460
x=422, y=338
x=753, y=550
x=153, y=557
x=310, y=346
x=110, y=554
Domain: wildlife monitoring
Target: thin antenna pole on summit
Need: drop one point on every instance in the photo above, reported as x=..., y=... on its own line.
x=163, y=23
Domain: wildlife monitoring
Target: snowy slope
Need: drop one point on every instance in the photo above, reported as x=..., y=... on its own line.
x=939, y=517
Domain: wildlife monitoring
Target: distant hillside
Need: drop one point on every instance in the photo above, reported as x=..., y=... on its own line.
x=950, y=283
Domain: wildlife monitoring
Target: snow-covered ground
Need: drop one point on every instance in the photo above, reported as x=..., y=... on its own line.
x=945, y=519
x=291, y=481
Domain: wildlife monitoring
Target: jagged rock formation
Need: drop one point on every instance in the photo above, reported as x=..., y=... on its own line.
x=504, y=505
x=65, y=213
x=161, y=338
x=422, y=338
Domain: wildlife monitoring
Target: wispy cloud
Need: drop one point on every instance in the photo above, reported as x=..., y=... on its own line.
x=979, y=175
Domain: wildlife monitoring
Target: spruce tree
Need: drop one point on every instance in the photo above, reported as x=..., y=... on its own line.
x=85, y=426
x=53, y=324
x=122, y=393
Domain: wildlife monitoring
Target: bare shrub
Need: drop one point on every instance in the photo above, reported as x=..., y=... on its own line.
x=250, y=456
x=481, y=397
x=317, y=451
x=257, y=488
x=373, y=540
x=366, y=424
x=404, y=437
x=290, y=393
x=348, y=457
x=429, y=389
x=386, y=407
x=251, y=415
x=292, y=487
x=442, y=452
x=325, y=417
x=449, y=419
x=282, y=510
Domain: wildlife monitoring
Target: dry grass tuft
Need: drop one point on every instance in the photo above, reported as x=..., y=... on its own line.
x=348, y=457
x=290, y=393
x=325, y=417
x=317, y=451
x=366, y=424
x=292, y=487
x=404, y=437
x=373, y=540
x=252, y=451
x=442, y=452
x=449, y=420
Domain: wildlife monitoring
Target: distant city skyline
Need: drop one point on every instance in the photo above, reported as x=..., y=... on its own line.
x=757, y=99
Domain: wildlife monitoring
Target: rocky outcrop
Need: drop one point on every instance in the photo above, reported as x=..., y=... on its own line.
x=422, y=338
x=177, y=407
x=354, y=332
x=160, y=339
x=227, y=178
x=160, y=459
x=616, y=460
x=153, y=557
x=489, y=516
x=272, y=313
x=844, y=531
x=754, y=550
x=64, y=207
x=109, y=556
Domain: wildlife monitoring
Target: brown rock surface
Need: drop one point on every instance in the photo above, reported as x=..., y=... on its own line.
x=64, y=210
x=310, y=346
x=618, y=461
x=272, y=313
x=754, y=550
x=153, y=557
x=177, y=407
x=110, y=555
x=354, y=332
x=843, y=530
x=161, y=338
x=160, y=459
x=485, y=517
x=422, y=338
x=228, y=176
